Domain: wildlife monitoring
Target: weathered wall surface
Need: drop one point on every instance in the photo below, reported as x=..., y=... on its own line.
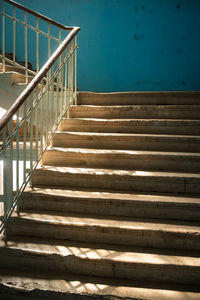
x=132, y=44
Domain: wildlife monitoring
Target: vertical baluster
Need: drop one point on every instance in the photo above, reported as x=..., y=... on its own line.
x=71, y=73
x=41, y=120
x=66, y=64
x=59, y=81
x=8, y=168
x=59, y=88
x=52, y=97
x=17, y=160
x=57, y=96
x=72, y=68
x=14, y=23
x=36, y=124
x=12, y=178
x=26, y=53
x=5, y=177
x=37, y=44
x=62, y=85
x=68, y=71
x=31, y=134
x=75, y=69
x=47, y=106
x=60, y=39
x=49, y=41
x=24, y=139
x=3, y=35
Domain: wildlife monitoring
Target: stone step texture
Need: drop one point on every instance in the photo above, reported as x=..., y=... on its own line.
x=151, y=126
x=122, y=159
x=127, y=141
x=138, y=98
x=108, y=202
x=117, y=196
x=114, y=261
x=136, y=111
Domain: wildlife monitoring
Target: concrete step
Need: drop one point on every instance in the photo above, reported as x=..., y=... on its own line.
x=136, y=111
x=122, y=159
x=133, y=98
x=134, y=180
x=18, y=78
x=133, y=263
x=25, y=285
x=129, y=141
x=182, y=235
x=159, y=126
x=110, y=202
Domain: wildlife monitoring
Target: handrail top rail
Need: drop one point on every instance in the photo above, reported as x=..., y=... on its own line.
x=32, y=85
x=36, y=14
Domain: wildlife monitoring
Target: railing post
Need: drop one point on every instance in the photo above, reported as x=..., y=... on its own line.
x=25, y=43
x=37, y=45
x=17, y=159
x=75, y=70
x=7, y=173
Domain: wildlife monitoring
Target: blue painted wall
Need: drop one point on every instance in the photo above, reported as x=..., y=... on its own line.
x=132, y=44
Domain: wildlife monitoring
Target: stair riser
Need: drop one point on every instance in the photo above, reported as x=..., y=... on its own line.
x=92, y=267
x=127, y=143
x=19, y=78
x=110, y=208
x=118, y=182
x=109, y=235
x=120, y=113
x=88, y=98
x=141, y=162
x=160, y=129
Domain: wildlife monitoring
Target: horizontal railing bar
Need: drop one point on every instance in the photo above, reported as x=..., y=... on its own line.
x=32, y=12
x=30, y=27
x=36, y=80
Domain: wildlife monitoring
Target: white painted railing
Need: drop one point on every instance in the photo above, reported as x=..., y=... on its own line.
x=26, y=128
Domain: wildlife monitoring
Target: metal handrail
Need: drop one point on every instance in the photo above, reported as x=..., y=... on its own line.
x=20, y=100
x=27, y=128
x=36, y=14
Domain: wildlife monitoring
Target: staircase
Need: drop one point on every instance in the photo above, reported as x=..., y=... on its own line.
x=114, y=207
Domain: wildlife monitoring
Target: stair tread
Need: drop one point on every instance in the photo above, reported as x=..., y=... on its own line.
x=115, y=222
x=83, y=194
x=91, y=251
x=174, y=136
x=99, y=120
x=138, y=106
x=122, y=152
x=141, y=93
x=42, y=285
x=97, y=171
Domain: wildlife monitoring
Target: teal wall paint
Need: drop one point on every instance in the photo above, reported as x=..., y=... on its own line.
x=132, y=44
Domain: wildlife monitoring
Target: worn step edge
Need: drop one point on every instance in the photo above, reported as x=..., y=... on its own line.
x=108, y=203
x=135, y=180
x=130, y=141
x=118, y=230
x=101, y=262
x=115, y=126
x=127, y=108
x=129, y=122
x=136, y=111
x=23, y=286
x=137, y=98
x=84, y=157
